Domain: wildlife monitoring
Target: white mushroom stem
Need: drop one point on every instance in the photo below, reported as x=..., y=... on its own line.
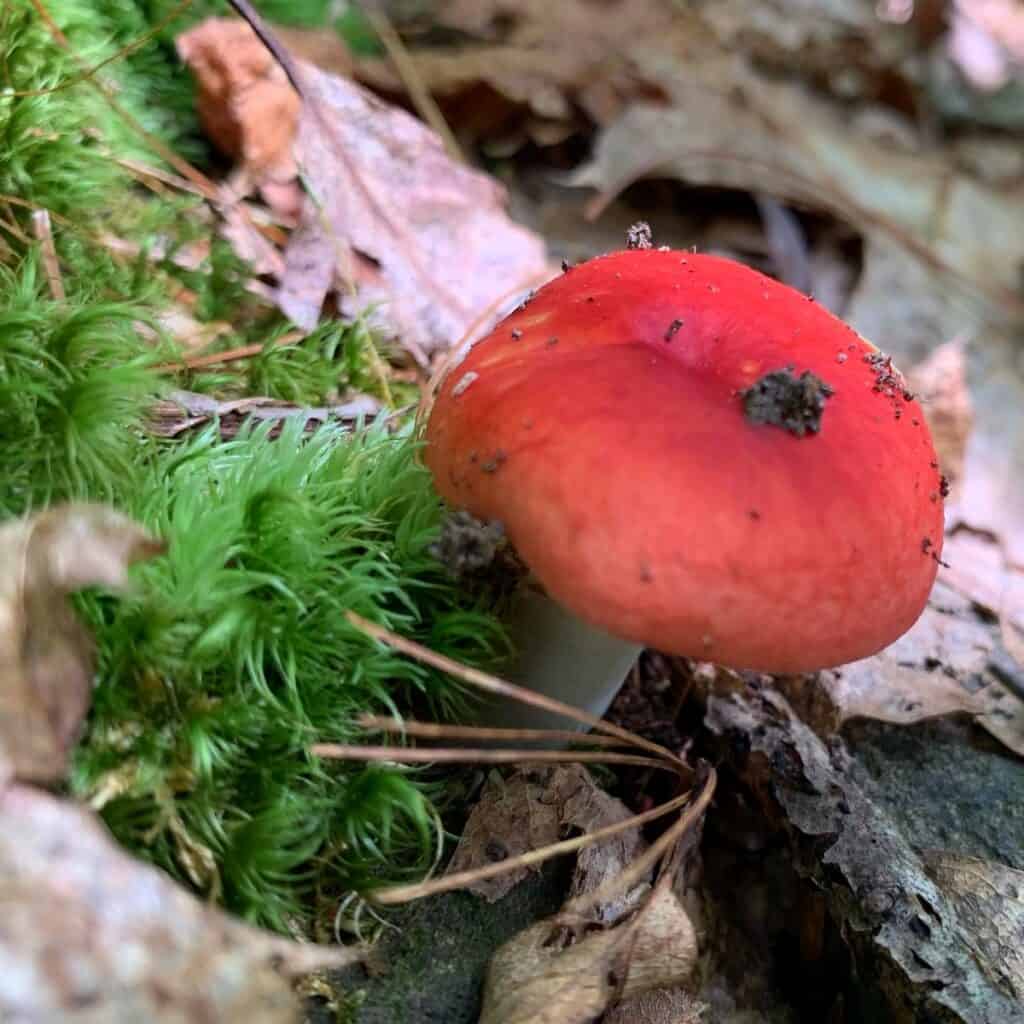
x=560, y=656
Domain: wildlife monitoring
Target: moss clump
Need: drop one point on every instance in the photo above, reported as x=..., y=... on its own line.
x=235, y=655
x=232, y=654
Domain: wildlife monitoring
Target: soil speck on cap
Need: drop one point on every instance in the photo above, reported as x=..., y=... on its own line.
x=639, y=236
x=492, y=464
x=672, y=328
x=781, y=399
x=841, y=357
x=467, y=544
x=516, y=334
x=553, y=340
x=464, y=382
x=566, y=266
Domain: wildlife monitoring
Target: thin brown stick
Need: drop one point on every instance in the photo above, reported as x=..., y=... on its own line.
x=492, y=684
x=448, y=755
x=424, y=103
x=460, y=879
x=276, y=50
x=43, y=231
x=231, y=355
x=438, y=731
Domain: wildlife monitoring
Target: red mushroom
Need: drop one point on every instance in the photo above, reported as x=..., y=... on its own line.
x=692, y=456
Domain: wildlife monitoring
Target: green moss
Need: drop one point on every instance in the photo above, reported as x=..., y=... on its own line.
x=75, y=384
x=235, y=655
x=232, y=653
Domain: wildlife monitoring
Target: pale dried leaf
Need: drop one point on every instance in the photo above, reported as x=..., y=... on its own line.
x=986, y=41
x=660, y=1006
x=588, y=809
x=534, y=807
x=538, y=977
x=531, y=981
x=182, y=411
x=396, y=224
x=946, y=664
x=940, y=382
x=976, y=567
x=664, y=945
x=238, y=227
x=46, y=655
x=908, y=309
x=989, y=899
x=191, y=334
x=89, y=935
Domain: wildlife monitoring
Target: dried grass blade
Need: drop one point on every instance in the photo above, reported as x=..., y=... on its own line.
x=468, y=755
x=494, y=685
x=440, y=731
x=404, y=893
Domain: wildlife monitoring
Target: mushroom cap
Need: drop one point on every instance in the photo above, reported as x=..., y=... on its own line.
x=606, y=423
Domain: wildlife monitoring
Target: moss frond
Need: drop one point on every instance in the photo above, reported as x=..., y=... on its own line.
x=235, y=655
x=75, y=384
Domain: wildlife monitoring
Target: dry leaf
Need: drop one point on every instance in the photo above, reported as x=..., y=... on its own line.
x=940, y=381
x=531, y=981
x=986, y=41
x=724, y=129
x=947, y=663
x=589, y=809
x=396, y=225
x=537, y=806
x=46, y=654
x=182, y=411
x=90, y=936
x=246, y=106
x=534, y=67
x=989, y=899
x=536, y=978
x=659, y=1006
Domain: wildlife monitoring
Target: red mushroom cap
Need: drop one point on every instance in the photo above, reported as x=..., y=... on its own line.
x=646, y=430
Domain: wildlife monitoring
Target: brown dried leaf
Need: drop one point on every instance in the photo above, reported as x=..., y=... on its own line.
x=91, y=936
x=537, y=806
x=947, y=664
x=45, y=653
x=589, y=809
x=989, y=899
x=396, y=224
x=538, y=978
x=245, y=103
